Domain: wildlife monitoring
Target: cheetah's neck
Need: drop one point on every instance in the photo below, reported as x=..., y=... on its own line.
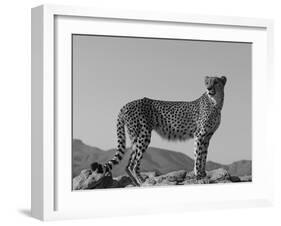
x=216, y=100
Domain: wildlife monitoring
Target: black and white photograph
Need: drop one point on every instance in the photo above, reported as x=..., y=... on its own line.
x=159, y=112
x=144, y=112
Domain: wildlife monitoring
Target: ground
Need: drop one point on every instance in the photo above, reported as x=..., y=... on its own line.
x=88, y=179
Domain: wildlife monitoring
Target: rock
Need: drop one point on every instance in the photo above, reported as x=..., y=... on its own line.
x=88, y=179
x=167, y=179
x=196, y=181
x=235, y=179
x=149, y=182
x=149, y=174
x=123, y=181
x=218, y=175
x=177, y=176
x=246, y=178
x=78, y=181
x=189, y=175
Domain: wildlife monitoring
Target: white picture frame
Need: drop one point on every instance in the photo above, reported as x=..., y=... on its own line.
x=52, y=27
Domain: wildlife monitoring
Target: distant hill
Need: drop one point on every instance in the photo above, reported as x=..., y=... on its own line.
x=240, y=168
x=155, y=159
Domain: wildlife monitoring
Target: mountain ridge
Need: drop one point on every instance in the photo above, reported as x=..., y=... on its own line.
x=158, y=160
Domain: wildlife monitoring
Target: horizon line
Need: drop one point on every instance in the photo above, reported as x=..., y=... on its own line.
x=78, y=139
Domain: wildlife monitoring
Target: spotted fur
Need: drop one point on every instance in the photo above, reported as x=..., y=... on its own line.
x=172, y=120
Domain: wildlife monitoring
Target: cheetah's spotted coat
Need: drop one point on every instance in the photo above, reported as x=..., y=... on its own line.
x=173, y=120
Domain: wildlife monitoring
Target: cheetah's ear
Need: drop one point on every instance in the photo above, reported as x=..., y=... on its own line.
x=223, y=78
x=206, y=80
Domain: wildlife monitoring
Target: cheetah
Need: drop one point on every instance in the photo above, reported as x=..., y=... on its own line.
x=172, y=120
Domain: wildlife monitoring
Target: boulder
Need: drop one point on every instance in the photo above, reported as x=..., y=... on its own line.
x=247, y=178
x=89, y=179
x=235, y=179
x=123, y=181
x=217, y=175
x=177, y=176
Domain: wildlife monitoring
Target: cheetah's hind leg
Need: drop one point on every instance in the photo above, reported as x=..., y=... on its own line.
x=133, y=177
x=138, y=173
x=136, y=166
x=130, y=166
x=134, y=163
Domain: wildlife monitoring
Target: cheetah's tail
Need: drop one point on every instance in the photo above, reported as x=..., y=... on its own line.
x=121, y=148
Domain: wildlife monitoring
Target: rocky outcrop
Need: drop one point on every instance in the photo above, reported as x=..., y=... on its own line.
x=88, y=179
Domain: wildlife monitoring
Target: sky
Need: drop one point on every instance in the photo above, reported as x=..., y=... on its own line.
x=109, y=72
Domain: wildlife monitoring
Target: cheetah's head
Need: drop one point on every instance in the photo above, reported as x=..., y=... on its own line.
x=215, y=85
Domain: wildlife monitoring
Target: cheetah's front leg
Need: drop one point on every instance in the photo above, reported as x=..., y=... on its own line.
x=200, y=151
